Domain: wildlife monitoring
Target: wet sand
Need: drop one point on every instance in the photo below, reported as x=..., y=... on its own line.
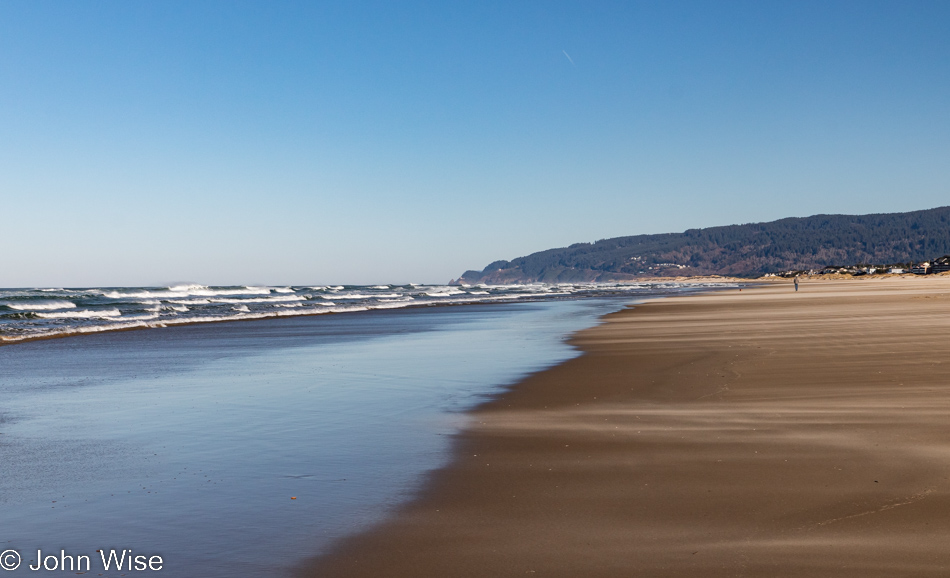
x=745, y=433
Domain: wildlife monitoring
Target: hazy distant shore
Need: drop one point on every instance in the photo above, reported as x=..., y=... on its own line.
x=761, y=432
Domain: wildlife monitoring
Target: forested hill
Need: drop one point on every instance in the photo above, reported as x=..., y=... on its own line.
x=739, y=250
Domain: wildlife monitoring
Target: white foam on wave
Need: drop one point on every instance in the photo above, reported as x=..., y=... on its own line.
x=353, y=296
x=82, y=314
x=186, y=287
x=525, y=295
x=160, y=308
x=40, y=305
x=240, y=313
x=13, y=294
x=143, y=322
x=444, y=292
x=390, y=305
x=277, y=299
x=508, y=287
x=159, y=294
x=142, y=294
x=181, y=291
x=286, y=304
x=210, y=292
x=283, y=290
x=141, y=317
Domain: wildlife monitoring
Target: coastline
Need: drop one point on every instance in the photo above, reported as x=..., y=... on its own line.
x=263, y=317
x=755, y=432
x=121, y=325
x=206, y=431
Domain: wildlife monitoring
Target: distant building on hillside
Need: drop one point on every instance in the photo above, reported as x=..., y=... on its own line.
x=941, y=265
x=921, y=268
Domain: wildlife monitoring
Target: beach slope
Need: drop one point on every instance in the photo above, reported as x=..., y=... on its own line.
x=743, y=433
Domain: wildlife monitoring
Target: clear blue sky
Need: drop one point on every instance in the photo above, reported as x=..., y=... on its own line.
x=358, y=142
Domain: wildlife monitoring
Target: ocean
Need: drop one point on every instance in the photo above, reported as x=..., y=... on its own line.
x=246, y=446
x=50, y=312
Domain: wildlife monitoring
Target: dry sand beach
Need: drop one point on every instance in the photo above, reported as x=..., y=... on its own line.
x=760, y=432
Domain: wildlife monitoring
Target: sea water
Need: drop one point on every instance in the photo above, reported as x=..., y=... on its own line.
x=242, y=448
x=27, y=314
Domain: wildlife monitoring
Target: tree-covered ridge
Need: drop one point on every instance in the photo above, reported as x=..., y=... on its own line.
x=739, y=250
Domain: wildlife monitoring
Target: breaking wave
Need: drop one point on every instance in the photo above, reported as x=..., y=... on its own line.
x=49, y=312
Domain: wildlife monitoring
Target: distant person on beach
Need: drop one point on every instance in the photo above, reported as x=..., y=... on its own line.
x=796, y=282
